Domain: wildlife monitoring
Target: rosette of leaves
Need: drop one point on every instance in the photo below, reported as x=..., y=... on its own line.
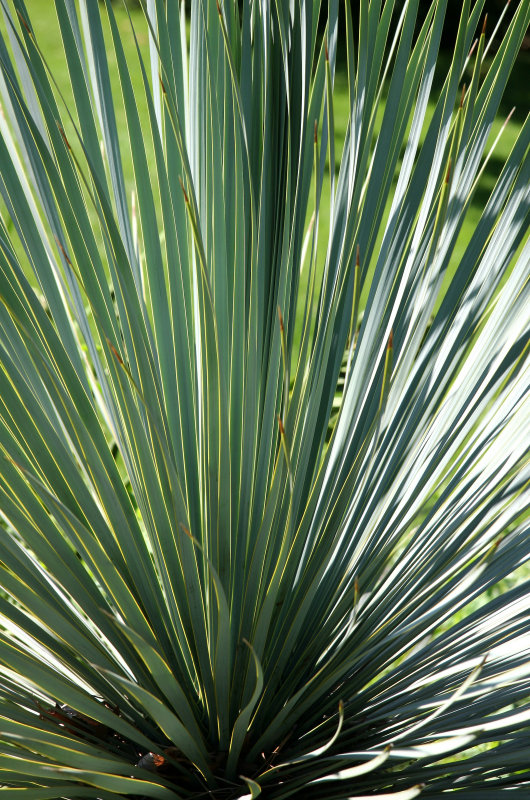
x=250, y=545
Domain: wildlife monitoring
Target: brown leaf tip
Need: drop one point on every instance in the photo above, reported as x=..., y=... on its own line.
x=448, y=173
x=316, y=132
x=63, y=134
x=358, y=257
x=186, y=199
x=280, y=425
x=326, y=49
x=185, y=530
x=280, y=317
x=463, y=95
x=114, y=351
x=162, y=86
x=390, y=343
x=484, y=24
x=63, y=251
x=24, y=23
x=120, y=359
x=14, y=463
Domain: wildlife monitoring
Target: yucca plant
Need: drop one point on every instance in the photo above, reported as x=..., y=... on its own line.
x=242, y=554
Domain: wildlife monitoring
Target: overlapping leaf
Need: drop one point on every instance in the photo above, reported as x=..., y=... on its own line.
x=234, y=559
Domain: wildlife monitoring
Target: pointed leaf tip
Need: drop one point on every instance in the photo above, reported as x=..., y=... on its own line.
x=63, y=251
x=15, y=463
x=316, y=132
x=186, y=531
x=186, y=199
x=280, y=317
x=448, y=173
x=358, y=257
x=463, y=95
x=390, y=343
x=280, y=425
x=162, y=86
x=63, y=134
x=24, y=23
x=114, y=351
x=485, y=23
x=326, y=49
